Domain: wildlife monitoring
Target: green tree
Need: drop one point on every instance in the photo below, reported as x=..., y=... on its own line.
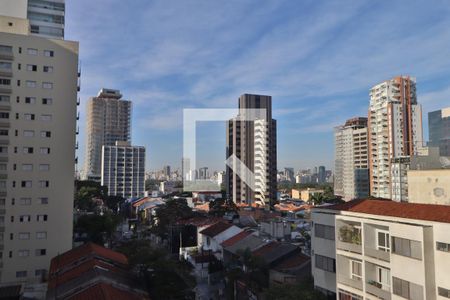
x=98, y=228
x=221, y=206
x=171, y=212
x=317, y=199
x=304, y=290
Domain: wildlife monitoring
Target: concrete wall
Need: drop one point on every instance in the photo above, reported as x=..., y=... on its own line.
x=429, y=186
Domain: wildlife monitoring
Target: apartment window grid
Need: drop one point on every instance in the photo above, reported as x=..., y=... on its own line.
x=324, y=231
x=442, y=247
x=355, y=270
x=444, y=292
x=406, y=289
x=325, y=263
x=406, y=247
x=383, y=240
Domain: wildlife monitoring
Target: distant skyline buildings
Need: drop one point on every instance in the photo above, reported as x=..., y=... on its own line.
x=439, y=130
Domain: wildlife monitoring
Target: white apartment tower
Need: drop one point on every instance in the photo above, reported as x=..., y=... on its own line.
x=46, y=17
x=108, y=121
x=379, y=249
x=123, y=170
x=395, y=129
x=351, y=160
x=38, y=108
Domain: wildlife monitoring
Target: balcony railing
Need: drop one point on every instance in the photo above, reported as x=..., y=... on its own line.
x=382, y=255
x=349, y=238
x=354, y=283
x=377, y=289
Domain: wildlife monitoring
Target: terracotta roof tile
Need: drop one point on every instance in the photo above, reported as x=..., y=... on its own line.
x=426, y=212
x=83, y=251
x=215, y=229
x=292, y=262
x=103, y=291
x=234, y=239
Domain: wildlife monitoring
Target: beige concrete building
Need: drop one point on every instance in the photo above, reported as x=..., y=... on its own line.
x=373, y=249
x=306, y=194
x=429, y=186
x=394, y=128
x=351, y=160
x=38, y=108
x=108, y=121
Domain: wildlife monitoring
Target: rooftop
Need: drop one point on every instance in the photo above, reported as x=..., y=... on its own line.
x=104, y=291
x=215, y=229
x=234, y=239
x=415, y=211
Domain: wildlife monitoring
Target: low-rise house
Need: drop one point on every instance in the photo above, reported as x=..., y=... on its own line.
x=93, y=272
x=292, y=269
x=306, y=194
x=214, y=235
x=276, y=229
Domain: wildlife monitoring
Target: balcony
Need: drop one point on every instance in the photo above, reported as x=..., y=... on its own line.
x=378, y=281
x=349, y=236
x=376, y=289
x=349, y=272
x=6, y=53
x=379, y=254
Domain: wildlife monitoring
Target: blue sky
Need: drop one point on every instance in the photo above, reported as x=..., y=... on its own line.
x=318, y=60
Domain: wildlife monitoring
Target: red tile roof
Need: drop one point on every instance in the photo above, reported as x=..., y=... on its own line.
x=103, y=291
x=60, y=278
x=293, y=262
x=85, y=250
x=426, y=212
x=267, y=248
x=215, y=229
x=234, y=239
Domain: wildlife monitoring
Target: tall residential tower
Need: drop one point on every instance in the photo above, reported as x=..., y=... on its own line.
x=108, y=121
x=351, y=165
x=395, y=130
x=254, y=143
x=38, y=104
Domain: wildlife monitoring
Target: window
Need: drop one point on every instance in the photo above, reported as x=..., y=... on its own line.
x=27, y=150
x=31, y=84
x=355, y=270
x=407, y=289
x=43, y=200
x=46, y=118
x=407, y=247
x=24, y=235
x=344, y=295
x=44, y=183
x=25, y=218
x=41, y=252
x=41, y=218
x=21, y=274
x=324, y=231
x=40, y=272
x=26, y=183
x=32, y=51
x=5, y=66
x=325, y=263
x=46, y=134
x=25, y=201
x=30, y=100
x=44, y=150
x=47, y=85
x=27, y=167
x=3, y=149
x=383, y=240
x=32, y=68
x=29, y=117
x=41, y=235
x=44, y=167
x=4, y=115
x=442, y=247
x=47, y=101
x=49, y=53
x=4, y=132
x=4, y=81
x=4, y=98
x=384, y=278
x=444, y=292
x=48, y=69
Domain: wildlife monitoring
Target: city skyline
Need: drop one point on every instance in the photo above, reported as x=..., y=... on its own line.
x=314, y=88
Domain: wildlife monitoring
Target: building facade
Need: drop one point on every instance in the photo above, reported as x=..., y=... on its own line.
x=439, y=130
x=254, y=143
x=38, y=112
x=351, y=159
x=123, y=170
x=395, y=129
x=108, y=121
x=374, y=249
x=46, y=17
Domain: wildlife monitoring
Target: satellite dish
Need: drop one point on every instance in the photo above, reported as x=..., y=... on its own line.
x=444, y=161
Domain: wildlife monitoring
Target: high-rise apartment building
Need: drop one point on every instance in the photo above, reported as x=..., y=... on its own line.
x=123, y=170
x=46, y=17
x=38, y=108
x=108, y=121
x=395, y=129
x=439, y=130
x=254, y=143
x=351, y=165
x=377, y=249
